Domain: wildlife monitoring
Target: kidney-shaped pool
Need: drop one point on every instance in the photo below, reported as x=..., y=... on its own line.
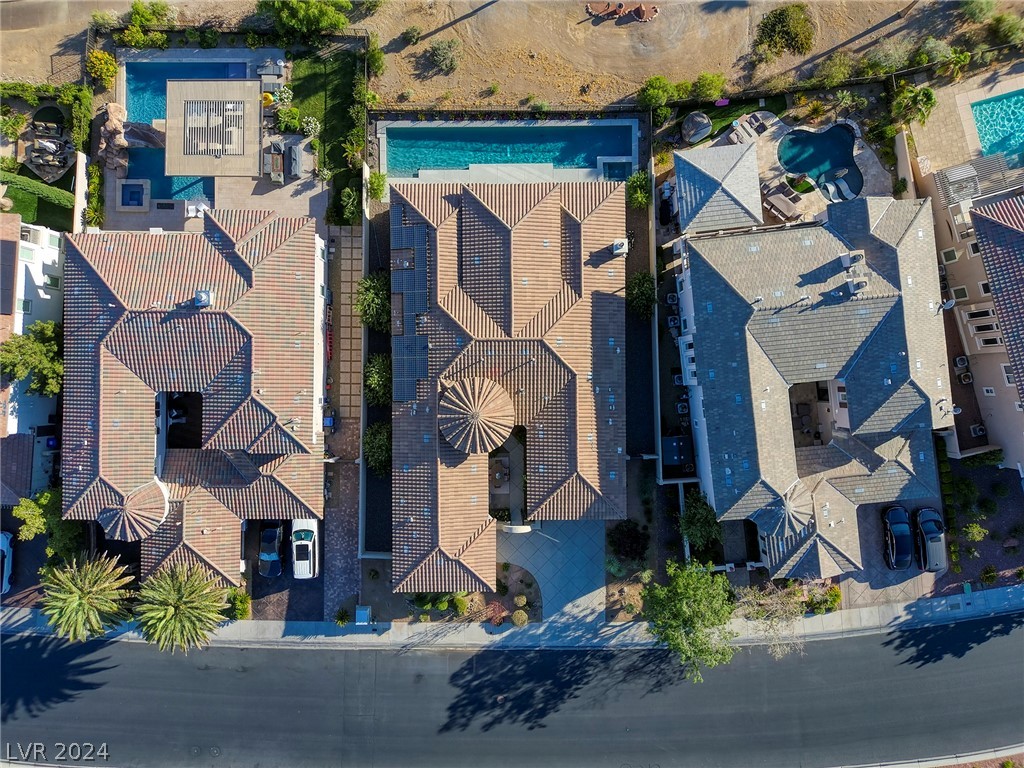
x=823, y=156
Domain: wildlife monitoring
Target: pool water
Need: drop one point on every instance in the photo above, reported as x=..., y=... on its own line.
x=410, y=150
x=146, y=101
x=822, y=156
x=1000, y=124
x=132, y=194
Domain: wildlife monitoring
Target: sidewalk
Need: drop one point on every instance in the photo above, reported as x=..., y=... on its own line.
x=564, y=631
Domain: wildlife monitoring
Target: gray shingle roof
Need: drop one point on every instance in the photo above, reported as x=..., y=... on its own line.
x=717, y=188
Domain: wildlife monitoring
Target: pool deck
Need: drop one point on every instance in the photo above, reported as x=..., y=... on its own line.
x=877, y=180
x=950, y=136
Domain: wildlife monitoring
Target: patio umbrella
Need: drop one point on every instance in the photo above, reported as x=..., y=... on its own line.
x=696, y=127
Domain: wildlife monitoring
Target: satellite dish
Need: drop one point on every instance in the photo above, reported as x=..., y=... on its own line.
x=957, y=410
x=948, y=305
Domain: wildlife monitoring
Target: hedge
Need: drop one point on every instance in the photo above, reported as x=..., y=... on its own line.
x=60, y=197
x=77, y=97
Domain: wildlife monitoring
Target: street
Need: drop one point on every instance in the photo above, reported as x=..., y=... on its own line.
x=915, y=693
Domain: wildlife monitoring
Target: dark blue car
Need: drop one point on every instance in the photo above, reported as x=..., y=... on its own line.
x=899, y=542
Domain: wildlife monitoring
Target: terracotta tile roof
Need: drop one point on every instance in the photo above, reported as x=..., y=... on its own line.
x=135, y=329
x=512, y=313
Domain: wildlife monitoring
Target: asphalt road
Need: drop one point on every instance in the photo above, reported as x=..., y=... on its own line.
x=919, y=693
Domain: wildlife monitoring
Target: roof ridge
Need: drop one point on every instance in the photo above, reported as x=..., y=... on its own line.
x=92, y=267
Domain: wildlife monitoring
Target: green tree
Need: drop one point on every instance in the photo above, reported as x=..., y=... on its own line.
x=978, y=11
x=374, y=56
x=179, y=606
x=37, y=355
x=373, y=301
x=709, y=86
x=377, y=380
x=42, y=515
x=306, y=20
x=377, y=185
x=656, y=92
x=689, y=615
x=102, y=68
x=445, y=54
x=835, y=70
x=788, y=28
x=913, y=103
x=377, y=447
x=1008, y=28
x=774, y=611
x=641, y=294
x=85, y=598
x=638, y=190
x=412, y=35
x=954, y=65
x=699, y=522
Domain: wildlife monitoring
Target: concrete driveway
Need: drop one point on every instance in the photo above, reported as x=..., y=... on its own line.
x=283, y=598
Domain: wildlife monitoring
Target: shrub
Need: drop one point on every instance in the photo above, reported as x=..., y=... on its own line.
x=1019, y=573
x=306, y=20
x=505, y=567
x=615, y=567
x=655, y=92
x=899, y=187
x=974, y=532
x=209, y=38
x=493, y=89
x=373, y=301
x=628, y=541
x=816, y=109
x=989, y=575
x=932, y=51
x=374, y=56
x=58, y=197
x=820, y=601
x=377, y=380
x=424, y=617
x=376, y=186
x=641, y=294
x=102, y=68
x=519, y=618
x=377, y=447
x=496, y=613
x=646, y=576
x=311, y=126
x=445, y=54
x=370, y=7
x=987, y=459
x=520, y=601
x=501, y=588
x=835, y=70
x=699, y=522
x=443, y=605
x=987, y=507
x=1000, y=489
x=1008, y=28
x=288, y=120
x=662, y=115
x=412, y=35
x=78, y=99
x=890, y=55
x=977, y=11
x=350, y=209
x=192, y=35
x=104, y=21
x=461, y=606
x=239, y=604
x=788, y=28
x=253, y=40
x=12, y=125
x=709, y=86
x=638, y=190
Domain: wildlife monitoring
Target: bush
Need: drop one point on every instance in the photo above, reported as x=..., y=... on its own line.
x=788, y=28
x=376, y=186
x=1008, y=28
x=373, y=301
x=630, y=609
x=655, y=92
x=461, y=606
x=311, y=126
x=239, y=604
x=1019, y=573
x=445, y=54
x=932, y=51
x=519, y=601
x=977, y=11
x=209, y=38
x=350, y=209
x=890, y=55
x=102, y=68
x=342, y=617
x=501, y=588
x=989, y=575
x=987, y=507
x=820, y=601
x=628, y=541
x=899, y=187
x=148, y=15
x=58, y=197
x=424, y=617
x=288, y=120
x=377, y=380
x=641, y=295
x=709, y=86
x=699, y=522
x=615, y=567
x=412, y=35
x=12, y=125
x=104, y=21
x=306, y=20
x=377, y=448
x=493, y=89
x=638, y=190
x=253, y=40
x=662, y=115
x=974, y=532
x=987, y=459
x=78, y=98
x=443, y=605
x=1000, y=489
x=135, y=36
x=65, y=539
x=519, y=618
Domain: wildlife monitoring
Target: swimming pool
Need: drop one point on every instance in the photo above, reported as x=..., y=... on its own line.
x=822, y=156
x=413, y=149
x=1000, y=124
x=148, y=163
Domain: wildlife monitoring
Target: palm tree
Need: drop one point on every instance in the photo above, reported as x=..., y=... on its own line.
x=955, y=63
x=179, y=606
x=85, y=599
x=913, y=103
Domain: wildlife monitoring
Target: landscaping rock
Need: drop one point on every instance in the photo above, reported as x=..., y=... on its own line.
x=116, y=112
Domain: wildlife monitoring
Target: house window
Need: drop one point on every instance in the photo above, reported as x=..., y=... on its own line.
x=26, y=254
x=977, y=314
x=959, y=292
x=24, y=306
x=1008, y=378
x=54, y=241
x=984, y=288
x=949, y=256
x=990, y=341
x=52, y=282
x=988, y=391
x=985, y=327
x=973, y=249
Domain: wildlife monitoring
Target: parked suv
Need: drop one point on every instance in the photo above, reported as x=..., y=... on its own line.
x=305, y=550
x=899, y=544
x=931, y=540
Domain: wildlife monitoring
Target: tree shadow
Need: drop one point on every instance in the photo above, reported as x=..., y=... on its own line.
x=40, y=672
x=932, y=644
x=523, y=688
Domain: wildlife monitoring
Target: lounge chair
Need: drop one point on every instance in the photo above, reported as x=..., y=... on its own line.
x=845, y=189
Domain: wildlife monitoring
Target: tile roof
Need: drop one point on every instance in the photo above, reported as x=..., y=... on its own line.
x=779, y=307
x=134, y=330
x=717, y=188
x=508, y=311
x=1000, y=232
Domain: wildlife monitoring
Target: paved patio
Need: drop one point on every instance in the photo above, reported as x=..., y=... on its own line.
x=567, y=559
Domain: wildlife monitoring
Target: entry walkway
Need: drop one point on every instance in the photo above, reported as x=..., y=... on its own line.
x=564, y=632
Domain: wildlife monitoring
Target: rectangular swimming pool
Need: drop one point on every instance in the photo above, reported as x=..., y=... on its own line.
x=414, y=149
x=148, y=163
x=1000, y=124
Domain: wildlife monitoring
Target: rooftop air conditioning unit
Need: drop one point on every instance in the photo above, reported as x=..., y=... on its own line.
x=966, y=378
x=961, y=361
x=620, y=247
x=204, y=298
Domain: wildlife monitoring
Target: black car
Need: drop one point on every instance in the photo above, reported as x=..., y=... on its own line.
x=930, y=533
x=899, y=544
x=271, y=537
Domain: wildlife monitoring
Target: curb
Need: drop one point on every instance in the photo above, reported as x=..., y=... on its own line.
x=940, y=762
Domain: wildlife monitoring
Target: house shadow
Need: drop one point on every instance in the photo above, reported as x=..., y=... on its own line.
x=921, y=646
x=40, y=672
